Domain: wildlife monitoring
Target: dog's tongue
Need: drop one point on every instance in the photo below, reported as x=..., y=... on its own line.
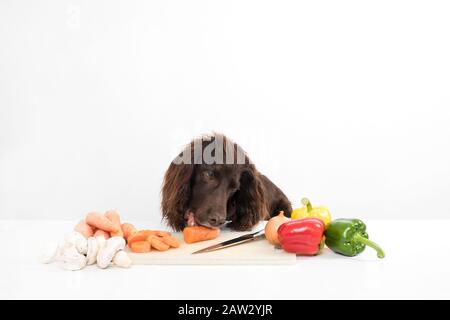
x=190, y=220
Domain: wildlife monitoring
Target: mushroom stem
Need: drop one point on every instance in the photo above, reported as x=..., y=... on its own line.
x=108, y=251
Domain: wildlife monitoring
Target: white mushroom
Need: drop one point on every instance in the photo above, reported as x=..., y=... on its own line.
x=107, y=252
x=94, y=246
x=121, y=259
x=101, y=241
x=51, y=252
x=78, y=240
x=72, y=259
x=92, y=250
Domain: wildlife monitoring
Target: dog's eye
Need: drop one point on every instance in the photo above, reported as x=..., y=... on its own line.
x=208, y=174
x=233, y=187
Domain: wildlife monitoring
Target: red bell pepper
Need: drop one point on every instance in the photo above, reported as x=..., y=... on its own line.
x=303, y=236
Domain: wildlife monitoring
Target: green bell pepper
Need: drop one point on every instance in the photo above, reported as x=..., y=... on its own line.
x=349, y=237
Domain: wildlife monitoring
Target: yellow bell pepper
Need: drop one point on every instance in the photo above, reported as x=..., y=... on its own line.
x=308, y=211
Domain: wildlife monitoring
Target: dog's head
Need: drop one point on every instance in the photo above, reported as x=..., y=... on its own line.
x=212, y=181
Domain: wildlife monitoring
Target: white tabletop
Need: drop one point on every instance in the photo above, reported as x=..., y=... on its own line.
x=417, y=265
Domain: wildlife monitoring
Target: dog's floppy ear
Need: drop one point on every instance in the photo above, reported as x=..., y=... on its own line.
x=176, y=192
x=249, y=200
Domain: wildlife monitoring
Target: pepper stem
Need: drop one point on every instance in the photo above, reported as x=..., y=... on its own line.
x=307, y=203
x=367, y=242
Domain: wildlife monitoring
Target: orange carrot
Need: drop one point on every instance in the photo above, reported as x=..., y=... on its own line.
x=128, y=229
x=160, y=233
x=199, y=233
x=98, y=220
x=114, y=217
x=101, y=233
x=141, y=235
x=85, y=229
x=171, y=241
x=140, y=246
x=156, y=243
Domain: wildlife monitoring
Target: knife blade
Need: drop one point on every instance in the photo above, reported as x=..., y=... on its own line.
x=232, y=242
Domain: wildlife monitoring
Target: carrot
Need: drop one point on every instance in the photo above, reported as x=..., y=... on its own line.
x=114, y=217
x=101, y=233
x=156, y=243
x=85, y=229
x=128, y=229
x=199, y=233
x=141, y=235
x=140, y=246
x=171, y=241
x=160, y=233
x=98, y=220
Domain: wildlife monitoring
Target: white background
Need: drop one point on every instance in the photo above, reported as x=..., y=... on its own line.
x=346, y=102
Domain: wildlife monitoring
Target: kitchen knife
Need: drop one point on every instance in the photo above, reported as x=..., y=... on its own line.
x=226, y=244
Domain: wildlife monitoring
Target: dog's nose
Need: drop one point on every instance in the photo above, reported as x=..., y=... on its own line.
x=216, y=220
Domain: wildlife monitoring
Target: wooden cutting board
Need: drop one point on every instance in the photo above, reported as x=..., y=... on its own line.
x=255, y=252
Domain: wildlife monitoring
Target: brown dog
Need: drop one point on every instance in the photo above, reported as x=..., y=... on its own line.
x=214, y=181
